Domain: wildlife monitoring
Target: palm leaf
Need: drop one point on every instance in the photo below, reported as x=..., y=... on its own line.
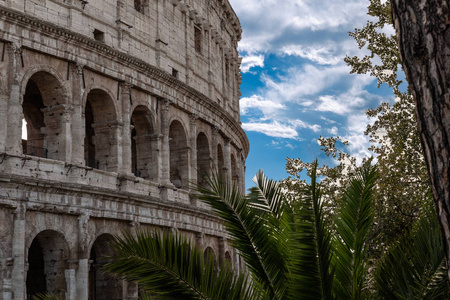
x=267, y=195
x=47, y=297
x=254, y=231
x=169, y=266
x=310, y=262
x=414, y=268
x=352, y=226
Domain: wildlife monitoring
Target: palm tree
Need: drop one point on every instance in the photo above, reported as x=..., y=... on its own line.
x=287, y=246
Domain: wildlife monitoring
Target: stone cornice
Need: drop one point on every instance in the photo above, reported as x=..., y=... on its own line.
x=89, y=44
x=42, y=185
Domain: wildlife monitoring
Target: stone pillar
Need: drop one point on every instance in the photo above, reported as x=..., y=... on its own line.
x=214, y=162
x=78, y=122
x=5, y=73
x=221, y=254
x=58, y=134
x=71, y=282
x=242, y=169
x=107, y=141
x=125, y=92
x=227, y=160
x=18, y=252
x=156, y=161
x=240, y=164
x=6, y=290
x=82, y=273
x=130, y=290
x=200, y=240
x=15, y=112
x=193, y=148
x=165, y=148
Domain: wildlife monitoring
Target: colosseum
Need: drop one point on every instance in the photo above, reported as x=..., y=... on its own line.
x=109, y=110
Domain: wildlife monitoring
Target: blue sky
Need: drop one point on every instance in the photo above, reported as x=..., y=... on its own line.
x=296, y=86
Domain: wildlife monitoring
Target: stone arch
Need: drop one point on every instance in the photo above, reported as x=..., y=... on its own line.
x=46, y=113
x=179, y=158
x=220, y=161
x=47, y=259
x=227, y=258
x=102, y=286
x=101, y=130
x=144, y=144
x=207, y=254
x=50, y=71
x=203, y=158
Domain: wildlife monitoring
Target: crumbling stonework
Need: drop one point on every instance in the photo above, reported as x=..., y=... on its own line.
x=126, y=102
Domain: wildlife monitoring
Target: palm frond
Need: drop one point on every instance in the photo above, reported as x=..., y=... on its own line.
x=267, y=195
x=352, y=226
x=47, y=297
x=310, y=261
x=254, y=232
x=414, y=268
x=169, y=266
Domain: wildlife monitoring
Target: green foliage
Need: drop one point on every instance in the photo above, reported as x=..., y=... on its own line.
x=403, y=187
x=169, y=266
x=414, y=267
x=47, y=297
x=254, y=224
x=310, y=243
x=291, y=251
x=353, y=222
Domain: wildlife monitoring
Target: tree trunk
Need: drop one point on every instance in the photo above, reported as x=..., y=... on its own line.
x=423, y=35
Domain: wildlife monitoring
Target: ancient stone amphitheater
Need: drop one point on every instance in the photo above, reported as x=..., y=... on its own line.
x=109, y=109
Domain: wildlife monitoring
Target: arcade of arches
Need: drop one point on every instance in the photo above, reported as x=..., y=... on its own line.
x=50, y=133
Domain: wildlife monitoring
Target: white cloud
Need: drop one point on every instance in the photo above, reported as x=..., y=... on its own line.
x=257, y=102
x=250, y=61
x=333, y=130
x=273, y=129
x=330, y=103
x=299, y=124
x=292, y=19
x=323, y=54
x=290, y=146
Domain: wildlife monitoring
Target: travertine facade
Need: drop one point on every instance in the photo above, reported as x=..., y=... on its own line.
x=125, y=102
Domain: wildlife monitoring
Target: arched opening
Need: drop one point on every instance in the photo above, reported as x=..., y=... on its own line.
x=43, y=112
x=178, y=155
x=220, y=162
x=234, y=172
x=143, y=144
x=101, y=131
x=47, y=261
x=203, y=158
x=102, y=286
x=209, y=254
x=228, y=258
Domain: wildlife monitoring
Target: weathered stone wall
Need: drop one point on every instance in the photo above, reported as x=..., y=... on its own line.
x=125, y=103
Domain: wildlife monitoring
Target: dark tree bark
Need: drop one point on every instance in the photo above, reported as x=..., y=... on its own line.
x=423, y=35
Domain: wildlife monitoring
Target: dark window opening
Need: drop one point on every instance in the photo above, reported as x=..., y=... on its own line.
x=103, y=286
x=36, y=282
x=89, y=146
x=134, y=164
x=203, y=159
x=99, y=35
x=198, y=39
x=138, y=6
x=174, y=72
